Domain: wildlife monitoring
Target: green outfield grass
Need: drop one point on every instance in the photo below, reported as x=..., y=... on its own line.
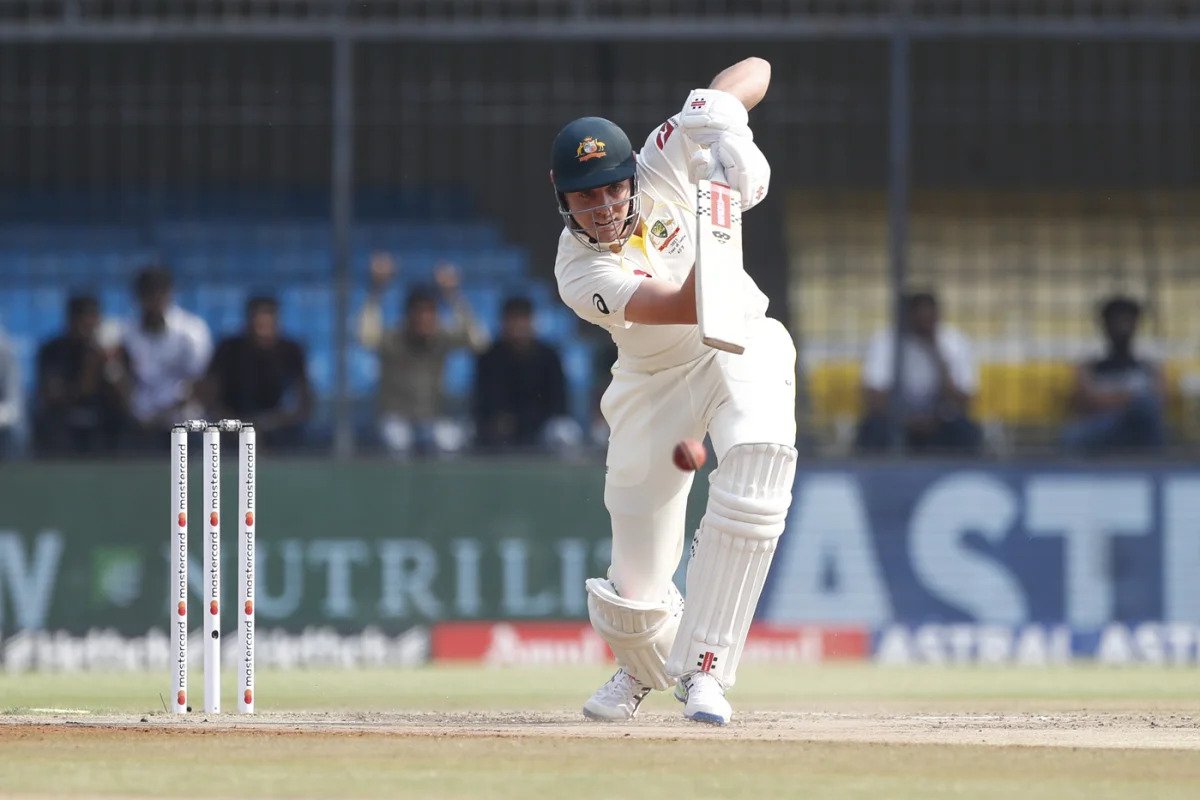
x=73, y=760
x=544, y=688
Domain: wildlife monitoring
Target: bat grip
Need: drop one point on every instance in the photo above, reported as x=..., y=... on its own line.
x=703, y=165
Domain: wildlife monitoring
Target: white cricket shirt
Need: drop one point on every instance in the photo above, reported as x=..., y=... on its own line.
x=921, y=384
x=597, y=286
x=165, y=363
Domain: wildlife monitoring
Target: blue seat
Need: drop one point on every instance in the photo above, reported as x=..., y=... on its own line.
x=458, y=375
x=117, y=301
x=577, y=357
x=38, y=312
x=363, y=371
x=556, y=324
x=15, y=267
x=43, y=236
x=222, y=305
x=306, y=312
x=117, y=266
x=320, y=366
x=485, y=302
x=25, y=350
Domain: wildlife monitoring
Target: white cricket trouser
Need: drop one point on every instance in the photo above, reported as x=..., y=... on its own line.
x=737, y=399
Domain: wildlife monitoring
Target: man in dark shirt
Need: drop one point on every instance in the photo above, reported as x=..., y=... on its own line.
x=1119, y=397
x=520, y=391
x=78, y=405
x=260, y=377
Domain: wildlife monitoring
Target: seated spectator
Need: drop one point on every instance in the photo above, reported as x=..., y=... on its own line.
x=261, y=377
x=78, y=406
x=520, y=390
x=936, y=386
x=1118, y=398
x=167, y=350
x=412, y=414
x=11, y=402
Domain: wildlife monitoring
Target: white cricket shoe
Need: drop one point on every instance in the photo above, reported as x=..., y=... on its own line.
x=704, y=699
x=617, y=700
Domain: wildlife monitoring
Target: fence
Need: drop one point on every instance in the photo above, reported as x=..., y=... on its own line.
x=1021, y=159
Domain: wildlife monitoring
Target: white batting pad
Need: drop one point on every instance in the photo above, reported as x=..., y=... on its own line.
x=640, y=633
x=748, y=501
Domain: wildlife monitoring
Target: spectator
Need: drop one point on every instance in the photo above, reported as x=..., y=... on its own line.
x=78, y=401
x=520, y=391
x=1119, y=397
x=939, y=379
x=261, y=377
x=11, y=406
x=167, y=350
x=412, y=414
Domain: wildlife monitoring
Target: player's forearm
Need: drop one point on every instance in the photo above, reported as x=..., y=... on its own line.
x=746, y=80
x=658, y=302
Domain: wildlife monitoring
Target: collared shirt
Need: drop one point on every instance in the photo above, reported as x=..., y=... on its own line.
x=597, y=286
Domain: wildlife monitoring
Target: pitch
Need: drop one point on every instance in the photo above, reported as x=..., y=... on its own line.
x=439, y=732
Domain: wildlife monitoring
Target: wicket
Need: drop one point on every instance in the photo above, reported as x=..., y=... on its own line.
x=211, y=589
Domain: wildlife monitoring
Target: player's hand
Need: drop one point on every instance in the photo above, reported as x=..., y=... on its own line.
x=445, y=275
x=383, y=269
x=746, y=168
x=708, y=115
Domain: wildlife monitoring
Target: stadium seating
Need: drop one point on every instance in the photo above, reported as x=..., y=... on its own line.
x=224, y=247
x=1020, y=273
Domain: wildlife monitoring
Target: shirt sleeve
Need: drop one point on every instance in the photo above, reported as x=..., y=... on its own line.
x=201, y=347
x=877, y=366
x=963, y=368
x=665, y=159
x=599, y=292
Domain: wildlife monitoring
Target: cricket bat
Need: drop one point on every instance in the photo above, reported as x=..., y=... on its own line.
x=720, y=307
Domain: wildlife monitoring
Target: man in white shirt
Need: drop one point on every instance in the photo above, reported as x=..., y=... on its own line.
x=625, y=259
x=940, y=377
x=12, y=403
x=168, y=350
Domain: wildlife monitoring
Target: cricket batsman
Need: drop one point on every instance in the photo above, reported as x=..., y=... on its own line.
x=625, y=263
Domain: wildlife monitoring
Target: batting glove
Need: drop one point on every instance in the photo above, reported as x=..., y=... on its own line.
x=709, y=115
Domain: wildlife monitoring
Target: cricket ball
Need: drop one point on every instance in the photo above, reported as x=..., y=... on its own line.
x=689, y=455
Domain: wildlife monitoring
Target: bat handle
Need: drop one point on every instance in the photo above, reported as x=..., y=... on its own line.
x=703, y=165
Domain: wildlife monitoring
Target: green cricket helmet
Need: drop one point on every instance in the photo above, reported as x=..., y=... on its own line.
x=588, y=153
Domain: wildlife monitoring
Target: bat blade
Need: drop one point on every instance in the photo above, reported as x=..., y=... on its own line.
x=720, y=281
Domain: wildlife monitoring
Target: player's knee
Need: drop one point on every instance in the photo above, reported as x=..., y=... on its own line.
x=752, y=490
